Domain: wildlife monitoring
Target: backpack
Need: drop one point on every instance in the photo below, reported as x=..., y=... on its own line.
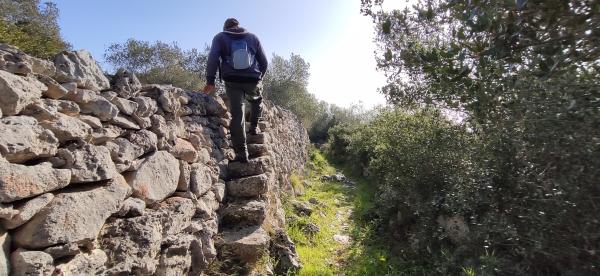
x=241, y=57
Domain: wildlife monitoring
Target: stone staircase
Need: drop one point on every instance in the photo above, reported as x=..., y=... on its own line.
x=245, y=224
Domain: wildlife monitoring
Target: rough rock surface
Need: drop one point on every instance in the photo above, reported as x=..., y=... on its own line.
x=17, y=92
x=88, y=163
x=83, y=264
x=31, y=263
x=248, y=186
x=125, y=83
x=156, y=178
x=246, y=243
x=22, y=139
x=74, y=216
x=27, y=210
x=80, y=67
x=134, y=180
x=20, y=181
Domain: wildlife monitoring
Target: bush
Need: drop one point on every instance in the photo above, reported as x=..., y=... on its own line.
x=456, y=201
x=31, y=27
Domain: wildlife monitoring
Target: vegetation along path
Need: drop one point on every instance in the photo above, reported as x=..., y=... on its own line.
x=324, y=220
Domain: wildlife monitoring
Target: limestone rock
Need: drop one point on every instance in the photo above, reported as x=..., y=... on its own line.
x=175, y=214
x=80, y=67
x=211, y=202
x=16, y=61
x=144, y=140
x=22, y=139
x=261, y=138
x=143, y=122
x=184, y=176
x=70, y=86
x=5, y=242
x=64, y=107
x=31, y=263
x=20, y=181
x=175, y=256
x=27, y=210
x=184, y=150
x=126, y=107
x=74, y=216
x=301, y=208
x=134, y=243
x=246, y=244
x=253, y=167
x=63, y=250
x=7, y=211
x=146, y=106
x=311, y=228
x=54, y=89
x=83, y=264
x=92, y=121
x=245, y=212
x=257, y=150
x=88, y=163
x=122, y=151
x=248, y=186
x=125, y=83
x=17, y=92
x=215, y=106
x=156, y=178
x=168, y=97
x=283, y=251
x=219, y=189
x=106, y=133
x=132, y=207
x=101, y=108
x=200, y=179
x=125, y=122
x=67, y=128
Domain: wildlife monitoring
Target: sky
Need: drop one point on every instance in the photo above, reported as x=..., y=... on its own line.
x=331, y=35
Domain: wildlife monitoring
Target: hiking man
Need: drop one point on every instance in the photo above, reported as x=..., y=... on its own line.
x=242, y=63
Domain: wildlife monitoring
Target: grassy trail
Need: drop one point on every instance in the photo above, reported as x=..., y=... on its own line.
x=343, y=244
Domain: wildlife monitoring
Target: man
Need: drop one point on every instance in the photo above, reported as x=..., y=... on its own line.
x=242, y=63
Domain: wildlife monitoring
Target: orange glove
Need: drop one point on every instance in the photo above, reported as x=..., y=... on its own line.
x=208, y=89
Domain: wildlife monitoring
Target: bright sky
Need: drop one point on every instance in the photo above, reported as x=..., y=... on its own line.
x=331, y=35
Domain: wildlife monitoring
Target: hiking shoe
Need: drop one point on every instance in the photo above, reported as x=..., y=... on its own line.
x=241, y=157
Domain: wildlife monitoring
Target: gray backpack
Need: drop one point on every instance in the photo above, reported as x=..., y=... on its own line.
x=241, y=57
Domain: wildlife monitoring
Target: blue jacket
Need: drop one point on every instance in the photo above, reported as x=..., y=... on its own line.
x=221, y=48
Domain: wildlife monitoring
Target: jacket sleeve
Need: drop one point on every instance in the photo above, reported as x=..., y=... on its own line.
x=263, y=63
x=213, y=61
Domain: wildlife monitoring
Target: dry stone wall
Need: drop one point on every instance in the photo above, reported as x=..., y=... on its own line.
x=106, y=176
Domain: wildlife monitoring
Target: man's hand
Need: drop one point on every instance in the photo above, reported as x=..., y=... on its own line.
x=208, y=89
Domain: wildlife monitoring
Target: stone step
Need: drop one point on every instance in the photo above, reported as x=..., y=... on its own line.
x=254, y=166
x=263, y=126
x=257, y=150
x=244, y=213
x=251, y=186
x=261, y=138
x=247, y=245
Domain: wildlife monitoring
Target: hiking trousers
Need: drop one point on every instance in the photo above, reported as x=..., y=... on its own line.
x=239, y=92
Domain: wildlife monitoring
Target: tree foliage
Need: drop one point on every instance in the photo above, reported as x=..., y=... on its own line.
x=32, y=27
x=525, y=72
x=286, y=85
x=160, y=62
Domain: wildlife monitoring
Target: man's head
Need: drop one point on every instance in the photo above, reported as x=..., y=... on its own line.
x=230, y=23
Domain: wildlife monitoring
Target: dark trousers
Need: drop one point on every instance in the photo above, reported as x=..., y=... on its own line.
x=238, y=93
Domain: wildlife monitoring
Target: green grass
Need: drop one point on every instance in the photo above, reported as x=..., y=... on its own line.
x=319, y=253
